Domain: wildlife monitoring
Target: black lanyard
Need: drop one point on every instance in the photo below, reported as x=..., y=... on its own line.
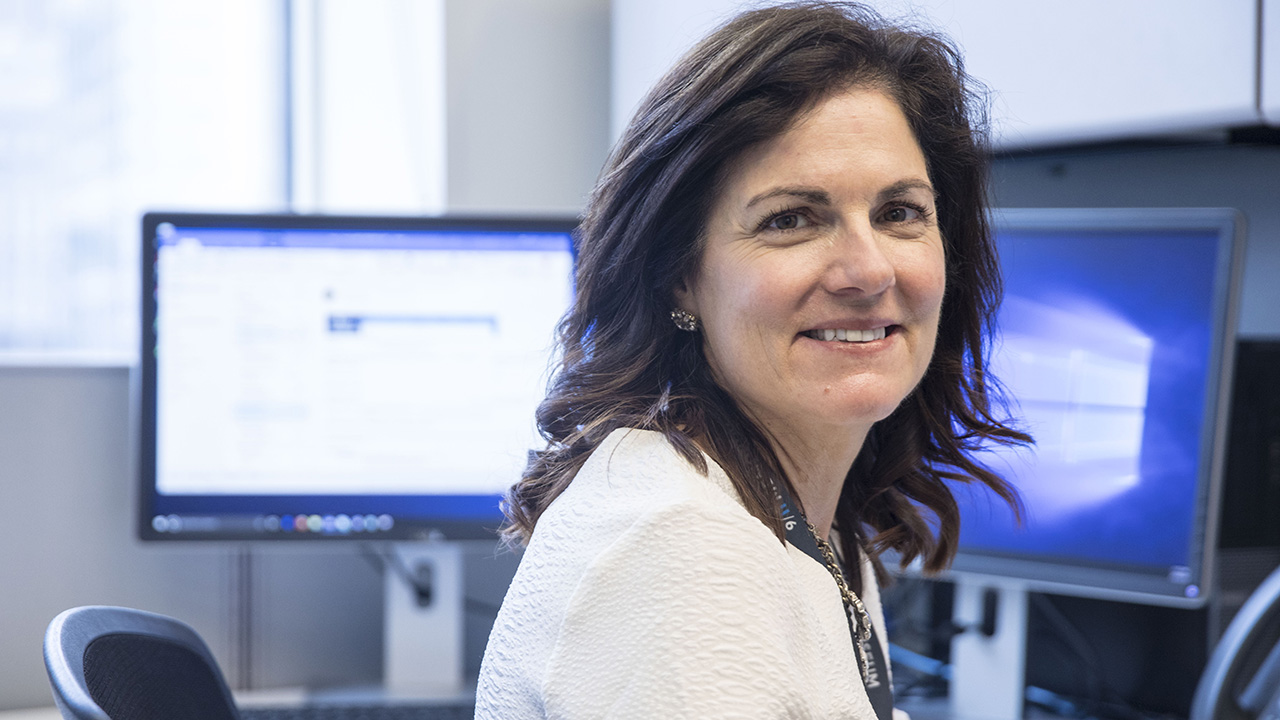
x=876, y=680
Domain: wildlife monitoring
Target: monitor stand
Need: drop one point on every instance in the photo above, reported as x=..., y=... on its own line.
x=423, y=626
x=988, y=673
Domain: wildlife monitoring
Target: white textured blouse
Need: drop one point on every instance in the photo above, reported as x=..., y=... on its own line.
x=648, y=591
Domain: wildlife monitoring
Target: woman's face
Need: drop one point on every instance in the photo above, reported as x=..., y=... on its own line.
x=821, y=281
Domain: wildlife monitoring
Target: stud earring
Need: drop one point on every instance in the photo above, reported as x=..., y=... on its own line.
x=684, y=320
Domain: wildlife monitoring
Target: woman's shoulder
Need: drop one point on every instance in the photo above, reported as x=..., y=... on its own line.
x=634, y=479
x=634, y=484
x=648, y=454
x=636, y=470
x=637, y=492
x=635, y=497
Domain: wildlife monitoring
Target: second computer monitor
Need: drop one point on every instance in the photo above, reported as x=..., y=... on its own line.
x=1114, y=343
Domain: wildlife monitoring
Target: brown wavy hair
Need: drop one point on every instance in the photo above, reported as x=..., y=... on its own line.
x=624, y=364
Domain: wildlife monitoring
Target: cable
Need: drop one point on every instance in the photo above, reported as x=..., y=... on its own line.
x=919, y=663
x=932, y=668
x=386, y=560
x=1077, y=643
x=1103, y=698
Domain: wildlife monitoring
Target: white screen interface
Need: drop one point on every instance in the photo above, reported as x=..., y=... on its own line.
x=323, y=362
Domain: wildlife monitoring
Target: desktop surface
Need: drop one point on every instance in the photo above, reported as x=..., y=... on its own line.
x=409, y=711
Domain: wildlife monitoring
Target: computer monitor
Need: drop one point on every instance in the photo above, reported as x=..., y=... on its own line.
x=324, y=378
x=1114, y=343
x=336, y=379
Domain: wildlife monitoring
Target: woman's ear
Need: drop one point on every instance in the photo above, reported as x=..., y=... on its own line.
x=685, y=297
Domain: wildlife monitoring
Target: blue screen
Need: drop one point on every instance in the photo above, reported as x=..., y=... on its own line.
x=1108, y=345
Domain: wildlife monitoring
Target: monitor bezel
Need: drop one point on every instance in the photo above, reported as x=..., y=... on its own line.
x=406, y=529
x=1075, y=577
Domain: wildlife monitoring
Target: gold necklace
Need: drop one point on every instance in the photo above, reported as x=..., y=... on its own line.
x=862, y=623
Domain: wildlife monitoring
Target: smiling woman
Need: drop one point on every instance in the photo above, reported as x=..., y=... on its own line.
x=776, y=351
x=820, y=286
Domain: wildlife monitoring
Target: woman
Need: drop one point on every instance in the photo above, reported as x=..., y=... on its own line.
x=773, y=362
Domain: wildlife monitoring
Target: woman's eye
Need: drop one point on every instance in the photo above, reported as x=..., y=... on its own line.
x=787, y=221
x=903, y=213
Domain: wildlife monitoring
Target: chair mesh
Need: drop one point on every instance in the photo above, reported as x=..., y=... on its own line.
x=142, y=677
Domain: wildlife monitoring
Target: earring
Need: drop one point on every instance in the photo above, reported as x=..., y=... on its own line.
x=684, y=320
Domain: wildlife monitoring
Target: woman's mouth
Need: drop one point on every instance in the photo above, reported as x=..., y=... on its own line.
x=847, y=335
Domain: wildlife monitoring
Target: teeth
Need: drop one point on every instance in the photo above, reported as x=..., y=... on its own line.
x=843, y=335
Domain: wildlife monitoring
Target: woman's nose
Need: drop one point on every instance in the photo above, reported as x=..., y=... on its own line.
x=858, y=262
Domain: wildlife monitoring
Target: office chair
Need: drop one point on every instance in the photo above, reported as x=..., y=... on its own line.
x=1242, y=679
x=111, y=663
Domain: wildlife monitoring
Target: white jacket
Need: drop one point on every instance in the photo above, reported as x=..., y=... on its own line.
x=648, y=591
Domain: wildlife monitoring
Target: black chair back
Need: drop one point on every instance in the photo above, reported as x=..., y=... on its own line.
x=1242, y=679
x=111, y=663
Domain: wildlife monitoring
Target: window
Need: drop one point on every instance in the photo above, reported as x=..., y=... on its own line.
x=109, y=108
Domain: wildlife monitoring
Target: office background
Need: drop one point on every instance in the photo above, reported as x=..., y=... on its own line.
x=487, y=106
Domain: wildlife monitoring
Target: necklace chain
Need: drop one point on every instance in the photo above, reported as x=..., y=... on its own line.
x=851, y=602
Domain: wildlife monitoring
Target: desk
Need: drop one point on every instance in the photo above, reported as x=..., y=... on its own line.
x=277, y=697
x=49, y=713
x=919, y=710
x=283, y=697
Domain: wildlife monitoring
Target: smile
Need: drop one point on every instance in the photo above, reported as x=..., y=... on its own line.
x=851, y=336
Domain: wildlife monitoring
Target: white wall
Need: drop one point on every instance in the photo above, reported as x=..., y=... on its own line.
x=1061, y=71
x=1269, y=64
x=648, y=36
x=66, y=490
x=527, y=107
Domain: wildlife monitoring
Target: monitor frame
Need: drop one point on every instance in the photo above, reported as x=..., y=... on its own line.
x=1094, y=580
x=443, y=527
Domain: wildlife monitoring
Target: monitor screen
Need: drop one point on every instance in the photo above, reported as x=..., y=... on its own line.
x=1114, y=344
x=342, y=377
